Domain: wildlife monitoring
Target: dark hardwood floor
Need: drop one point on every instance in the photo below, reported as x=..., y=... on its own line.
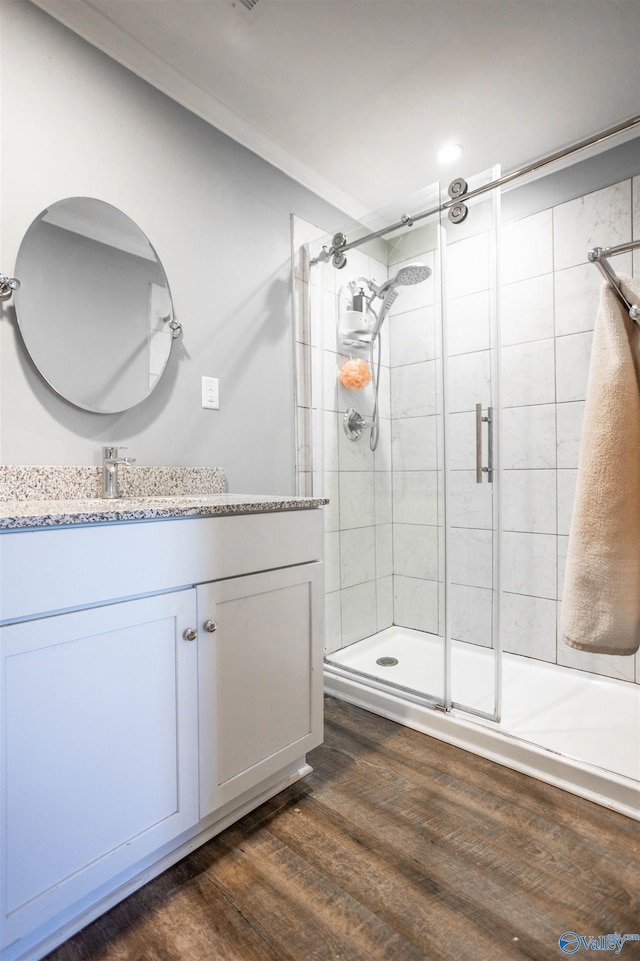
x=397, y=847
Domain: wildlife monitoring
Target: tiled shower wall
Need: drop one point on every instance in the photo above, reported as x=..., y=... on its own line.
x=382, y=561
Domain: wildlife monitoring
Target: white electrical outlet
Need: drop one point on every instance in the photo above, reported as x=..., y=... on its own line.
x=210, y=393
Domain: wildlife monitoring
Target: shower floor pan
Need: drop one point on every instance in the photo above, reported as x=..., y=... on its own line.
x=576, y=730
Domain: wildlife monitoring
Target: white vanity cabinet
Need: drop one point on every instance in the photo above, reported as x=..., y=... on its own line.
x=158, y=681
x=100, y=753
x=260, y=693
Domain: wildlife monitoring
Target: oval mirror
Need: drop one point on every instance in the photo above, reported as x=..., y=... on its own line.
x=94, y=306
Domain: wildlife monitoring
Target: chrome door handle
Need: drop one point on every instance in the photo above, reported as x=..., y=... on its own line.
x=480, y=420
x=478, y=443
x=210, y=626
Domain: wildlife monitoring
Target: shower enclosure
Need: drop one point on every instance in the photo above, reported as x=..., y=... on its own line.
x=445, y=545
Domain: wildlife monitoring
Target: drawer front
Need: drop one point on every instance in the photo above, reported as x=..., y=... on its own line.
x=55, y=570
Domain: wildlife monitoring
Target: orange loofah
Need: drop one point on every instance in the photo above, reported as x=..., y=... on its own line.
x=354, y=374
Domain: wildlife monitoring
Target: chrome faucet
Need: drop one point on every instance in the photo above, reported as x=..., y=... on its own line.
x=110, y=462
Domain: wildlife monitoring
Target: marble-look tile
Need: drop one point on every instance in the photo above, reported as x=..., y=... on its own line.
x=382, y=458
x=357, y=499
x=384, y=602
x=468, y=504
x=415, y=496
x=461, y=447
x=324, y=318
x=577, y=294
x=415, y=603
x=331, y=489
x=357, y=556
x=384, y=497
x=329, y=438
x=528, y=564
x=529, y=437
x=566, y=496
x=384, y=550
x=471, y=612
x=471, y=557
x=569, y=418
x=469, y=381
x=528, y=626
x=468, y=323
x=563, y=546
x=573, y=354
x=528, y=374
x=330, y=319
x=412, y=336
x=599, y=219
x=414, y=443
x=415, y=551
x=619, y=666
x=359, y=615
x=332, y=623
x=526, y=310
x=526, y=248
x=467, y=266
x=384, y=393
x=332, y=561
x=413, y=390
x=385, y=344
x=315, y=300
x=528, y=501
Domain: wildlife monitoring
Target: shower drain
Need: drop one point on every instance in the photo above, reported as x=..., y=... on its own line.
x=387, y=661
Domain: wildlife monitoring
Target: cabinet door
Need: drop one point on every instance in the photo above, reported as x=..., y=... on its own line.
x=99, y=748
x=260, y=678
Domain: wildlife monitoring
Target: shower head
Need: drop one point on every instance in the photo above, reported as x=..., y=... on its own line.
x=412, y=274
x=388, y=291
x=406, y=276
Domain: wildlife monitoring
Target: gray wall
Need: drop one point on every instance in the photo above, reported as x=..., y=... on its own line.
x=75, y=123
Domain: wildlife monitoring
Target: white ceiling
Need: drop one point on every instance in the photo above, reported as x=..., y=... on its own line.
x=353, y=97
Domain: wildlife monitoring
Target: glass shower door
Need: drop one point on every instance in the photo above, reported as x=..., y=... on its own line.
x=470, y=371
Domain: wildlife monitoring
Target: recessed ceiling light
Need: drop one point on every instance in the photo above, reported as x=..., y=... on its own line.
x=449, y=153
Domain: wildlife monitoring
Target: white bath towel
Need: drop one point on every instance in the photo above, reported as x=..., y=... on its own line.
x=601, y=597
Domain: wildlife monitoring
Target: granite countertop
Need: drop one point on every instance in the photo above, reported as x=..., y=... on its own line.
x=20, y=514
x=40, y=497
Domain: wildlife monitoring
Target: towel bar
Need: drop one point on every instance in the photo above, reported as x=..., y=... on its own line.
x=599, y=256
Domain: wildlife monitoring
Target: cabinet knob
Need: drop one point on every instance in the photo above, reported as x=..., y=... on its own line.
x=210, y=626
x=190, y=634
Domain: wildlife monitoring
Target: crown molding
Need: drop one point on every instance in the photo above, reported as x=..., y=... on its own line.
x=97, y=30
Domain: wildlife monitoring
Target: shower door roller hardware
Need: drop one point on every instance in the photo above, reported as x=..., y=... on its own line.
x=190, y=634
x=480, y=420
x=339, y=258
x=458, y=188
x=458, y=213
x=210, y=626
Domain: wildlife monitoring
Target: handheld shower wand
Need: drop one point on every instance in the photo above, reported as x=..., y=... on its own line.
x=388, y=293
